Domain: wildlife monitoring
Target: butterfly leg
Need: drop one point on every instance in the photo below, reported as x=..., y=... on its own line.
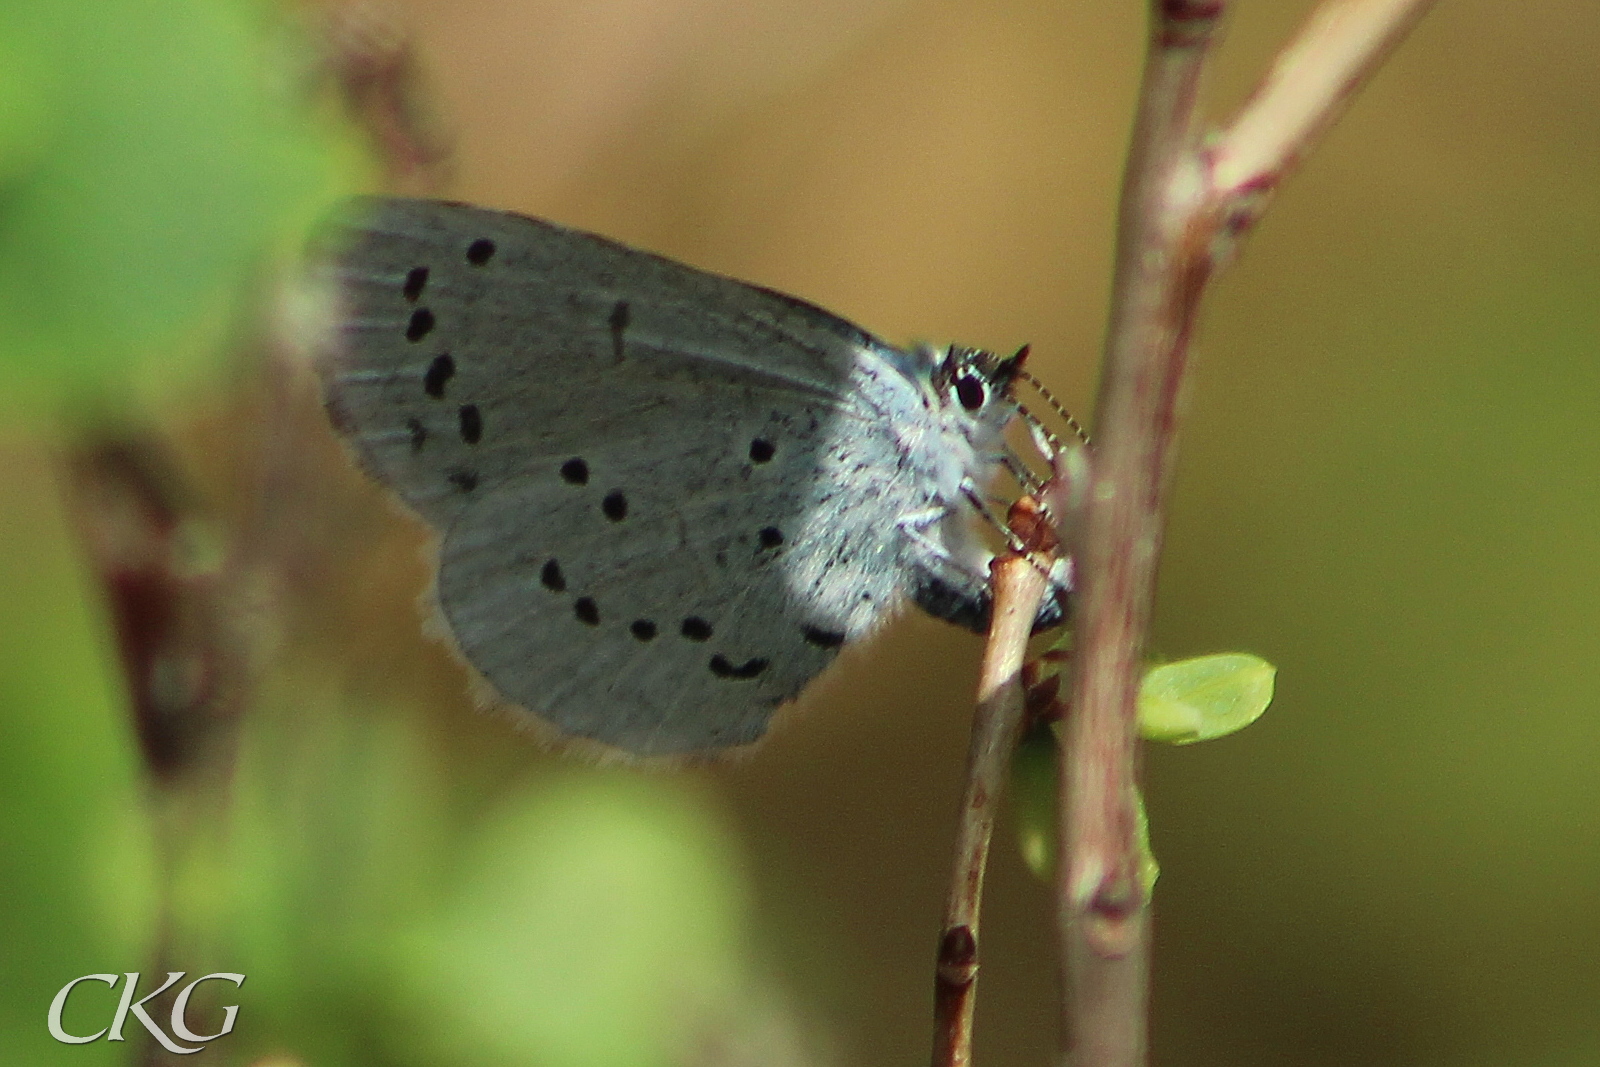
x=953, y=585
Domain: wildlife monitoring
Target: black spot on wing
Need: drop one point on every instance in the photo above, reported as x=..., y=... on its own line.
x=480, y=251
x=696, y=629
x=551, y=578
x=748, y=669
x=575, y=471
x=618, y=321
x=761, y=451
x=821, y=638
x=464, y=480
x=471, y=423
x=440, y=371
x=587, y=611
x=615, y=506
x=416, y=278
x=420, y=325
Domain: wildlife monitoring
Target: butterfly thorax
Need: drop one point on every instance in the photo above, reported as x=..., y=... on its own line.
x=930, y=434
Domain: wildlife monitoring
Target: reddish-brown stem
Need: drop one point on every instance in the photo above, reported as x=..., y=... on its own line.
x=1181, y=208
x=182, y=663
x=1102, y=912
x=377, y=75
x=1019, y=585
x=1307, y=88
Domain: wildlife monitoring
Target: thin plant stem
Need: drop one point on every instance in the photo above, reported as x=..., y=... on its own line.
x=1019, y=585
x=1183, y=206
x=1102, y=913
x=1307, y=89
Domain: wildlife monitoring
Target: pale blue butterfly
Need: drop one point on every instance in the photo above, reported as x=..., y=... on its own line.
x=665, y=499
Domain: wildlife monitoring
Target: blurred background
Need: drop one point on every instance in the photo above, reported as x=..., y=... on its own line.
x=1389, y=487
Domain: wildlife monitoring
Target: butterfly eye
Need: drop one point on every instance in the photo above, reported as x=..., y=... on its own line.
x=970, y=391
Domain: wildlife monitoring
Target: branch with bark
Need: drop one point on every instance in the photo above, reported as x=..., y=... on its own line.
x=1187, y=199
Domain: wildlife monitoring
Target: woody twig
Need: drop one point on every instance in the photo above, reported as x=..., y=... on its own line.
x=1186, y=200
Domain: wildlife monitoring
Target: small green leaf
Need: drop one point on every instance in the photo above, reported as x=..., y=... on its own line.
x=1205, y=697
x=1033, y=776
x=1033, y=791
x=1149, y=869
x=1180, y=703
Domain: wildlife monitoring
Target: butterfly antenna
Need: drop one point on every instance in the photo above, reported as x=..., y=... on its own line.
x=1046, y=440
x=1031, y=482
x=994, y=520
x=1055, y=405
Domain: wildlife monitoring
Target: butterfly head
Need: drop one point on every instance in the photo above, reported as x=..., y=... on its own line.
x=974, y=386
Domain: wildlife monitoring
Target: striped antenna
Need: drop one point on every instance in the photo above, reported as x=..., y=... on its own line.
x=1055, y=405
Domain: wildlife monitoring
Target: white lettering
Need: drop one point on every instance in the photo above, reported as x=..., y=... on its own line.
x=60, y=1002
x=230, y=1012
x=137, y=1008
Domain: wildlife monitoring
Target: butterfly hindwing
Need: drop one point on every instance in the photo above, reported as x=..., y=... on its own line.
x=645, y=603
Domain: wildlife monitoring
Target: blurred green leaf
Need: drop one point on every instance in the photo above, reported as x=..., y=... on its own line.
x=77, y=869
x=583, y=917
x=1034, y=791
x=598, y=924
x=148, y=160
x=339, y=841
